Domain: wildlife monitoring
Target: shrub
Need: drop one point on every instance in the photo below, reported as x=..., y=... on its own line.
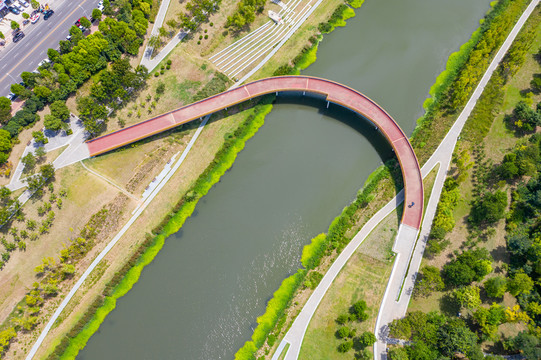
x=345, y=346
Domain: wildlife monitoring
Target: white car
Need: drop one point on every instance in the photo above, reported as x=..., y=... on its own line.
x=43, y=62
x=100, y=6
x=24, y=3
x=18, y=6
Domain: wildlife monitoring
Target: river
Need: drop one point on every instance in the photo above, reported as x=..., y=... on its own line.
x=200, y=297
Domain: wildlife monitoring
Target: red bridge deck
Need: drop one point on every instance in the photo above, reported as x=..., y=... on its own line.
x=335, y=93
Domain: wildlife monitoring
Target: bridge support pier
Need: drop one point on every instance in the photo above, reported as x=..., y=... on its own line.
x=328, y=103
x=303, y=93
x=376, y=128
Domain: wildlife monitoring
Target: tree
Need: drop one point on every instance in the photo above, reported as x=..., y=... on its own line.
x=5, y=141
x=52, y=122
x=35, y=4
x=160, y=89
x=520, y=284
x=29, y=161
x=529, y=345
x=47, y=171
x=154, y=41
x=489, y=209
x=96, y=14
x=366, y=339
x=42, y=92
x=14, y=25
x=421, y=351
x=25, y=15
x=91, y=113
x=456, y=337
x=29, y=78
x=2, y=36
x=39, y=137
x=525, y=117
x=359, y=309
x=398, y=353
x=343, y=332
x=40, y=152
x=468, y=297
x=60, y=110
x=469, y=266
x=430, y=281
x=345, y=346
x=20, y=91
x=496, y=286
x=85, y=22
x=5, y=109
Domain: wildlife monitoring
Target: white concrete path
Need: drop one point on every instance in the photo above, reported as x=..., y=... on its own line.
x=395, y=301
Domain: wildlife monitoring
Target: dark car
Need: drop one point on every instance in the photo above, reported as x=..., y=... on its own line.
x=47, y=14
x=18, y=36
x=14, y=10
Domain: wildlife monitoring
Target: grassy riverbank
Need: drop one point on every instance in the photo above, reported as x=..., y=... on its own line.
x=427, y=135
x=223, y=161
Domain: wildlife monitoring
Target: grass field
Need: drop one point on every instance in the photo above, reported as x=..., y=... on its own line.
x=364, y=277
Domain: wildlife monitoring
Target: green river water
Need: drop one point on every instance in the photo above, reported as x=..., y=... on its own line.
x=200, y=297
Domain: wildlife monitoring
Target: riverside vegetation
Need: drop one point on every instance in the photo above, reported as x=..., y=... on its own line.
x=371, y=195
x=490, y=279
x=449, y=95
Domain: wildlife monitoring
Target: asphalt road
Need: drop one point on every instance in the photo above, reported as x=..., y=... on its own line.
x=29, y=51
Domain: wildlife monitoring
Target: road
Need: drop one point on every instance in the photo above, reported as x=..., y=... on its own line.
x=28, y=52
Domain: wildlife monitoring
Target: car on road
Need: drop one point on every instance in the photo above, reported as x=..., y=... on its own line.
x=34, y=18
x=47, y=14
x=18, y=36
x=14, y=10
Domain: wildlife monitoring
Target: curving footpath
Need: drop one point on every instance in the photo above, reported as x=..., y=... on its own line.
x=335, y=93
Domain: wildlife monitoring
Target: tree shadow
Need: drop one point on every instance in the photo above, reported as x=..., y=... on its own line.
x=448, y=305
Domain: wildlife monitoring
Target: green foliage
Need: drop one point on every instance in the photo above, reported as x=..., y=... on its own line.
x=529, y=345
x=489, y=319
x=39, y=137
x=359, y=309
x=96, y=14
x=398, y=353
x=14, y=25
x=495, y=287
x=366, y=339
x=520, y=283
x=216, y=85
x=471, y=265
x=52, y=122
x=524, y=117
x=429, y=281
x=444, y=220
x=312, y=253
x=343, y=332
x=313, y=279
x=489, y=209
x=468, y=297
x=5, y=109
x=345, y=346
x=245, y=13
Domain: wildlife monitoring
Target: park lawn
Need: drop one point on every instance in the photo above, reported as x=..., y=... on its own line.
x=364, y=277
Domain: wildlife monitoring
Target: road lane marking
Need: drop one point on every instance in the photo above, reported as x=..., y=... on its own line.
x=45, y=38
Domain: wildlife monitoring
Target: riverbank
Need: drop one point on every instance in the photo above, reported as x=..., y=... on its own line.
x=445, y=85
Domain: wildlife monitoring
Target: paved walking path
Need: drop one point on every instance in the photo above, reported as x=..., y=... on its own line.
x=395, y=301
x=391, y=308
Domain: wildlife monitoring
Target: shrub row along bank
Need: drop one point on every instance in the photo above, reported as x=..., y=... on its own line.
x=124, y=280
x=485, y=41
x=463, y=71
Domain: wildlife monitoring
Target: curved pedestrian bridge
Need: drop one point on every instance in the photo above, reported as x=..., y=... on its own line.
x=334, y=92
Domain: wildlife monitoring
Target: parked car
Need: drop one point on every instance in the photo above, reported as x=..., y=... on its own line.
x=18, y=36
x=43, y=62
x=100, y=6
x=47, y=14
x=18, y=6
x=11, y=96
x=24, y=3
x=14, y=10
x=34, y=18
